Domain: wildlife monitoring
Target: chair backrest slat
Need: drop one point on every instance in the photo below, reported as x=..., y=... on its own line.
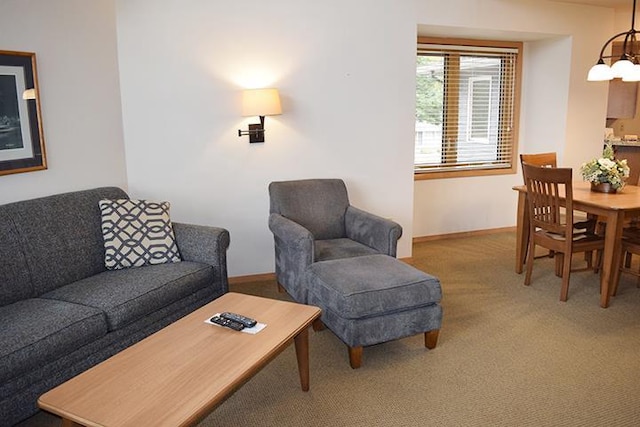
x=546, y=187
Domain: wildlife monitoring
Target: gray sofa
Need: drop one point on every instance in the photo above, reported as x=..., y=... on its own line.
x=62, y=312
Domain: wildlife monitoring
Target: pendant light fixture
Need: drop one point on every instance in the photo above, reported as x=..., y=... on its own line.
x=626, y=67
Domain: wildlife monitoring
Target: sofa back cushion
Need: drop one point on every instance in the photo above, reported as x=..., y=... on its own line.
x=15, y=284
x=319, y=205
x=61, y=236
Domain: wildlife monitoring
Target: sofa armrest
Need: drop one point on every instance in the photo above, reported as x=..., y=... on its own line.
x=374, y=231
x=204, y=244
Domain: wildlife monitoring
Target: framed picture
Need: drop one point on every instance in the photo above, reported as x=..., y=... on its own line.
x=21, y=138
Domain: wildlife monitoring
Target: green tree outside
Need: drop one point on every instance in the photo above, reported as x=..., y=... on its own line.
x=429, y=89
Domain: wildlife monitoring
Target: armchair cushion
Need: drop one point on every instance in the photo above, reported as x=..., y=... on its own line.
x=340, y=248
x=319, y=205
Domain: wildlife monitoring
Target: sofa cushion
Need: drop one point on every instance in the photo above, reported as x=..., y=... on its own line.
x=37, y=331
x=15, y=283
x=130, y=294
x=60, y=236
x=137, y=233
x=370, y=285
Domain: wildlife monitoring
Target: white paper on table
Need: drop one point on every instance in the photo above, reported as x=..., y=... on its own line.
x=254, y=330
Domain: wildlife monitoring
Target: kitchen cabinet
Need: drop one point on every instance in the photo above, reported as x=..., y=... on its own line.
x=631, y=152
x=623, y=96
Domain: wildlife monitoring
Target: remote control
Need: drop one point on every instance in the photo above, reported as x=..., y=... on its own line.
x=246, y=321
x=228, y=323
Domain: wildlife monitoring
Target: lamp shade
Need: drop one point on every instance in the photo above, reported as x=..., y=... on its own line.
x=600, y=72
x=261, y=102
x=622, y=68
x=633, y=76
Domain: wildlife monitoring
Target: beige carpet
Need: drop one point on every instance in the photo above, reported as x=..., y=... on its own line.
x=508, y=355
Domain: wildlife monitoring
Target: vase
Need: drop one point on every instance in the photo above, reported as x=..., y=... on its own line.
x=603, y=187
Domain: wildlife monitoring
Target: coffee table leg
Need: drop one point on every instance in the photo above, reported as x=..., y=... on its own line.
x=302, y=354
x=69, y=423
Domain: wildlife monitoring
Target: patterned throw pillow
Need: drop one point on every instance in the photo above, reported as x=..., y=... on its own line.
x=137, y=233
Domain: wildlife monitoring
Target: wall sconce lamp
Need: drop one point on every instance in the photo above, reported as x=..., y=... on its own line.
x=259, y=102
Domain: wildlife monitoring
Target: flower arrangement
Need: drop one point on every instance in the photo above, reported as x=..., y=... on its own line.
x=606, y=170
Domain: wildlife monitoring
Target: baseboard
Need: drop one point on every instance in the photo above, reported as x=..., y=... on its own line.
x=238, y=280
x=407, y=259
x=462, y=234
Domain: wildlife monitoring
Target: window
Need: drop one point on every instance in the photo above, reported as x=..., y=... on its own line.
x=467, y=95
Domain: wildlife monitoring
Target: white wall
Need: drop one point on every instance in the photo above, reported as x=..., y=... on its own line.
x=345, y=71
x=560, y=112
x=76, y=59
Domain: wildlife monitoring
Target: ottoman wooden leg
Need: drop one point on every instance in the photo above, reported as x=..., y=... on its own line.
x=281, y=290
x=431, y=338
x=355, y=357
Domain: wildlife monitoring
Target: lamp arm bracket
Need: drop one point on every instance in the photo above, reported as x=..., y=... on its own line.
x=255, y=132
x=612, y=39
x=250, y=132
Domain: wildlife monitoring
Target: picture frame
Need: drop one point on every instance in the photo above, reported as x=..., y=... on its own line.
x=22, y=146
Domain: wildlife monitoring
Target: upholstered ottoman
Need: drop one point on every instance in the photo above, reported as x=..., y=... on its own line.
x=372, y=299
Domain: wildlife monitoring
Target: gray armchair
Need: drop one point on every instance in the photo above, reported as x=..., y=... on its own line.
x=312, y=221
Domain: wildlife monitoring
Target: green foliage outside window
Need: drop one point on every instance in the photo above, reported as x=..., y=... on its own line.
x=429, y=89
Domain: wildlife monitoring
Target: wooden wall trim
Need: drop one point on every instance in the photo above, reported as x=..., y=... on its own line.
x=462, y=234
x=252, y=278
x=238, y=280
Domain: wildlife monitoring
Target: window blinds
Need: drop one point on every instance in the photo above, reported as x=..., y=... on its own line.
x=465, y=107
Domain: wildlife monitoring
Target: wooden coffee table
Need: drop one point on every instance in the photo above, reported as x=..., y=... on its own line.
x=178, y=375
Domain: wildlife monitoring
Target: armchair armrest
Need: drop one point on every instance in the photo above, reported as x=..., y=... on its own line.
x=374, y=231
x=204, y=244
x=292, y=235
x=294, y=247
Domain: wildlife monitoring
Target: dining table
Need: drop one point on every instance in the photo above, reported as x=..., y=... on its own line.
x=613, y=208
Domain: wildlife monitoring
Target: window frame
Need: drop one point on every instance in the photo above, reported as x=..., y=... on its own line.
x=512, y=169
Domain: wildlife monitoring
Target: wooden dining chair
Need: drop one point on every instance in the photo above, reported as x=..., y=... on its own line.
x=549, y=160
x=548, y=227
x=630, y=245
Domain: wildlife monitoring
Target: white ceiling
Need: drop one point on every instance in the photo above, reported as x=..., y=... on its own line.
x=606, y=3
